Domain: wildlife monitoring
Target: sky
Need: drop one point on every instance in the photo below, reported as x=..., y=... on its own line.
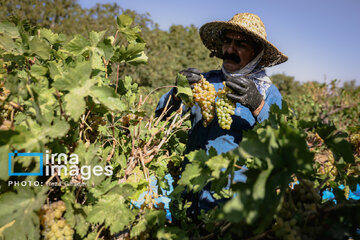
x=321, y=38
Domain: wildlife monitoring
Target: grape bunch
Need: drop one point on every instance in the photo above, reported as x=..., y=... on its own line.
x=355, y=141
x=224, y=108
x=205, y=94
x=298, y=217
x=328, y=166
x=5, y=107
x=54, y=226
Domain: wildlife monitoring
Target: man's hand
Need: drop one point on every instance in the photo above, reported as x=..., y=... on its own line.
x=193, y=75
x=246, y=93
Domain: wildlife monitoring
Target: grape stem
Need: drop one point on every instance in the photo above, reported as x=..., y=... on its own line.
x=99, y=232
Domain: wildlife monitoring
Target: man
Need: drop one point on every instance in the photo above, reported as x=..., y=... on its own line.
x=241, y=43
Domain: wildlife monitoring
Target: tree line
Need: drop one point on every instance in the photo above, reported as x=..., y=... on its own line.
x=168, y=51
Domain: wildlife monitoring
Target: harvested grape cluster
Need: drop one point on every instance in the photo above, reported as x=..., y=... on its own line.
x=54, y=226
x=224, y=108
x=297, y=218
x=205, y=94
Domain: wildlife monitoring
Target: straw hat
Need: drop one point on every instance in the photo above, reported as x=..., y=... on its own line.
x=247, y=23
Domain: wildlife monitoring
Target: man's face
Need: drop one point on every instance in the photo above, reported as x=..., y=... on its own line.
x=237, y=51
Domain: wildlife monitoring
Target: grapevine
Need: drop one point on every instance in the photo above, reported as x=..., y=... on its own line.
x=205, y=94
x=224, y=108
x=53, y=224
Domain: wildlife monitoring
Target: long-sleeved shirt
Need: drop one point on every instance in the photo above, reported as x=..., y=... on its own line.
x=213, y=135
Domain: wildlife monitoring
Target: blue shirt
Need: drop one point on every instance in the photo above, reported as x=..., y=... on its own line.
x=213, y=135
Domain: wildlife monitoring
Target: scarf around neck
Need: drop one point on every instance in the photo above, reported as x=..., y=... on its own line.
x=252, y=72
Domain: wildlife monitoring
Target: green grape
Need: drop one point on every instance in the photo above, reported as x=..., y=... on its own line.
x=205, y=94
x=224, y=108
x=50, y=234
x=58, y=214
x=61, y=223
x=53, y=225
x=355, y=139
x=58, y=233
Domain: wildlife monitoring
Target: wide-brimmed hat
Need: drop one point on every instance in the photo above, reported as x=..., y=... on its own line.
x=247, y=23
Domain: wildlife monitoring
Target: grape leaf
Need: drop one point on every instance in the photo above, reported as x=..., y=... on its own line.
x=75, y=103
x=95, y=37
x=108, y=98
x=74, y=77
x=39, y=47
x=22, y=207
x=77, y=45
x=9, y=29
x=49, y=35
x=149, y=220
x=183, y=90
x=112, y=210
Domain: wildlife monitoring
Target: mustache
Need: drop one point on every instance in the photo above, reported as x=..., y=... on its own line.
x=232, y=57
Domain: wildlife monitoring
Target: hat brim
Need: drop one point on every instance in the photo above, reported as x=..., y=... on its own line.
x=210, y=36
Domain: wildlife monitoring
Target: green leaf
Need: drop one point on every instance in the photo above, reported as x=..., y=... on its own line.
x=49, y=35
x=97, y=61
x=22, y=207
x=147, y=222
x=103, y=188
x=107, y=47
x=341, y=147
x=77, y=45
x=124, y=20
x=171, y=233
x=9, y=29
x=137, y=59
x=75, y=105
x=58, y=129
x=95, y=37
x=55, y=70
x=183, y=90
x=75, y=214
x=194, y=177
x=108, y=209
x=74, y=77
x=40, y=48
x=133, y=52
x=217, y=164
x=124, y=26
x=8, y=44
x=108, y=98
x=38, y=71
